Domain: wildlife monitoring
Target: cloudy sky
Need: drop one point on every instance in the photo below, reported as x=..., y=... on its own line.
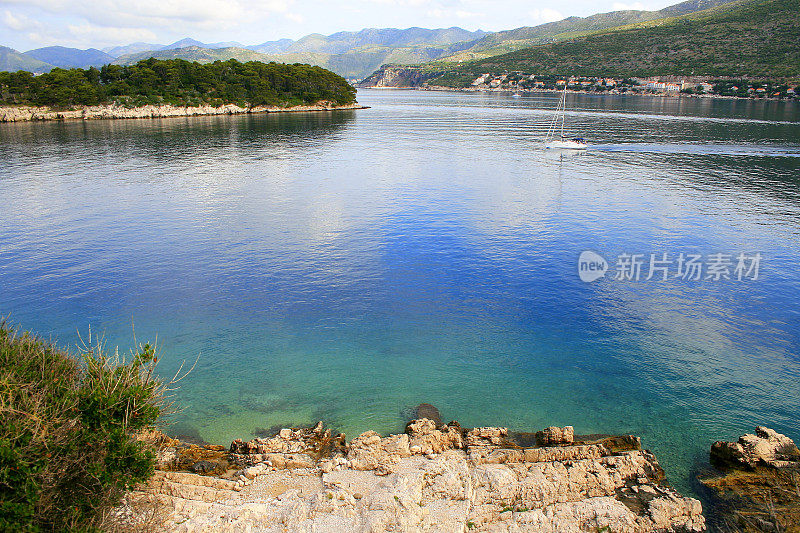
x=27, y=24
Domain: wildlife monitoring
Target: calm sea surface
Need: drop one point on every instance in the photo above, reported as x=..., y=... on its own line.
x=347, y=266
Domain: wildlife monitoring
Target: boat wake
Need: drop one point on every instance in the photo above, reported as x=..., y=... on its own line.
x=734, y=150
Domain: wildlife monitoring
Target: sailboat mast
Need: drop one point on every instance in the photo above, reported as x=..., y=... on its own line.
x=560, y=108
x=563, y=109
x=564, y=143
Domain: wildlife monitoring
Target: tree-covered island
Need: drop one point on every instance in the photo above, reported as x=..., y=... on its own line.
x=179, y=83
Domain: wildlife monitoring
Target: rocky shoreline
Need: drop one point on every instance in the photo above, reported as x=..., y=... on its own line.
x=113, y=111
x=432, y=477
x=438, y=477
x=439, y=88
x=756, y=484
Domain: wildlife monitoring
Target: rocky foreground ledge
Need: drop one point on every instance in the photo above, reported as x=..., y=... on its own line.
x=430, y=478
x=28, y=113
x=757, y=483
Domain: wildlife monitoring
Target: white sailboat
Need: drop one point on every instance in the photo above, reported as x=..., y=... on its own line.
x=551, y=141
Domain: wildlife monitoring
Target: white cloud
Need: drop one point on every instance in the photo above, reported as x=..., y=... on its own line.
x=18, y=22
x=108, y=35
x=545, y=15
x=72, y=34
x=161, y=13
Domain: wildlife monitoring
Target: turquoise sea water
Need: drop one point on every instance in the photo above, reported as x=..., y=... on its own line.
x=347, y=266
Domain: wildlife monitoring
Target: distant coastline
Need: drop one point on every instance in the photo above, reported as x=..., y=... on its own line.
x=439, y=88
x=114, y=111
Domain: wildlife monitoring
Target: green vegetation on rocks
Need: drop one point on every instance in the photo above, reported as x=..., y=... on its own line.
x=178, y=82
x=68, y=431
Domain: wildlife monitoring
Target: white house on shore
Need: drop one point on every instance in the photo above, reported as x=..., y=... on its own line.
x=663, y=86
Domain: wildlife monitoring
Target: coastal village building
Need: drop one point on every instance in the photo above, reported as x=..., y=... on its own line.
x=521, y=82
x=664, y=86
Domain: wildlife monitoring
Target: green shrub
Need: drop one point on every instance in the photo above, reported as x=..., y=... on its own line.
x=68, y=431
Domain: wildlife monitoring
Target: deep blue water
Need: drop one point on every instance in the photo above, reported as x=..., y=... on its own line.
x=347, y=266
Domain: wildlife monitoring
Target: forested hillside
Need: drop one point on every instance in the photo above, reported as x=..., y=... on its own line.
x=756, y=39
x=507, y=41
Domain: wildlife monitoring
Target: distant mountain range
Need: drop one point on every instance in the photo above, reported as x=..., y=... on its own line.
x=200, y=54
x=350, y=54
x=135, y=48
x=353, y=55
x=11, y=60
x=60, y=56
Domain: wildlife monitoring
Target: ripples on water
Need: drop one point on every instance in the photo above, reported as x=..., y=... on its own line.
x=346, y=266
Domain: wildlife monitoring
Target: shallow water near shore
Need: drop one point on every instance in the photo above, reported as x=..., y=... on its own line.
x=347, y=266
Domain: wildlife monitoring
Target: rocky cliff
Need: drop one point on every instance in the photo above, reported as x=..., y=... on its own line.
x=430, y=478
x=757, y=487
x=398, y=77
x=27, y=113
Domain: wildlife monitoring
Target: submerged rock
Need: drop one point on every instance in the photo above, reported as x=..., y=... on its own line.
x=423, y=410
x=426, y=410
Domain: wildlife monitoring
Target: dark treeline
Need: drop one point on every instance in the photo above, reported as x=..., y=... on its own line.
x=177, y=82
